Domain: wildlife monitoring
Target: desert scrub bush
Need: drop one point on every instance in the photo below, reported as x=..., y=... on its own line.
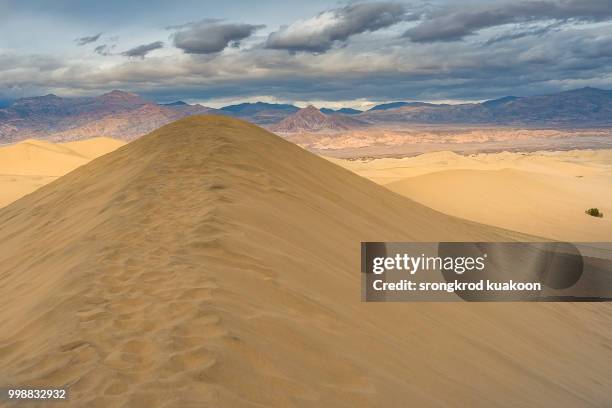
x=594, y=212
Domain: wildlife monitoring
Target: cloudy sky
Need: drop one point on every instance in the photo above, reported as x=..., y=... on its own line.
x=338, y=53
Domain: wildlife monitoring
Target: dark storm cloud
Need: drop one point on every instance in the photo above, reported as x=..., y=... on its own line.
x=549, y=46
x=104, y=49
x=319, y=33
x=590, y=50
x=522, y=33
x=454, y=24
x=210, y=36
x=87, y=40
x=143, y=50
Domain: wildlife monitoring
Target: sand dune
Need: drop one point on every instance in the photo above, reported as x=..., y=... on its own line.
x=95, y=147
x=211, y=263
x=26, y=166
x=191, y=270
x=542, y=194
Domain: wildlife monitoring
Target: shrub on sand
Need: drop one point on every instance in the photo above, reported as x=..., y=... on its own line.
x=594, y=212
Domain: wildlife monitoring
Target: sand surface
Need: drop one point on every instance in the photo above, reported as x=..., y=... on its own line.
x=28, y=165
x=212, y=263
x=541, y=193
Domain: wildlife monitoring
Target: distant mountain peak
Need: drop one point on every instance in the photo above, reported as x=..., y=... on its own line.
x=397, y=105
x=311, y=119
x=310, y=109
x=262, y=113
x=43, y=98
x=118, y=92
x=500, y=101
x=121, y=95
x=175, y=103
x=257, y=105
x=588, y=90
x=344, y=111
x=390, y=105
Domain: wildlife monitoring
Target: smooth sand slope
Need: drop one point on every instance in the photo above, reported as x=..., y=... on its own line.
x=543, y=194
x=28, y=165
x=211, y=263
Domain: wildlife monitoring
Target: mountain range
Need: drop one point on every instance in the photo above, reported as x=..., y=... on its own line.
x=580, y=107
x=117, y=114
x=126, y=116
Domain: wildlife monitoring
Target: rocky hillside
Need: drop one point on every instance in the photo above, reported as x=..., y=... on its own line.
x=261, y=113
x=117, y=114
x=310, y=119
x=580, y=107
